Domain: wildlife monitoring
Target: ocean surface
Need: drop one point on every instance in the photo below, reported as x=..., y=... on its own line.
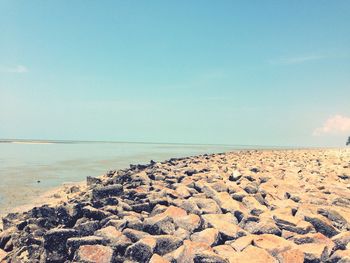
x=27, y=168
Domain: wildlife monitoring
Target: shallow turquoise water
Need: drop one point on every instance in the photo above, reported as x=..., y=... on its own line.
x=22, y=165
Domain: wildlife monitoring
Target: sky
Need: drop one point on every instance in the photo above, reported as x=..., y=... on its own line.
x=273, y=73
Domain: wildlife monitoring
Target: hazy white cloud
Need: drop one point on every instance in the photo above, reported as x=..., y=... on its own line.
x=296, y=60
x=336, y=124
x=14, y=69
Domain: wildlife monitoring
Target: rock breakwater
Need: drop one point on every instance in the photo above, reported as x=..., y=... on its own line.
x=249, y=206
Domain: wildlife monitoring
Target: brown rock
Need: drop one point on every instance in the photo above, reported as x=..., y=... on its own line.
x=341, y=240
x=219, y=186
x=3, y=254
x=182, y=233
x=314, y=252
x=206, y=206
x=340, y=256
x=209, y=236
x=94, y=254
x=316, y=238
x=109, y=233
x=291, y=256
x=242, y=242
x=273, y=244
x=293, y=224
x=254, y=207
x=187, y=252
x=227, y=204
x=208, y=257
x=224, y=250
x=266, y=227
x=183, y=192
x=189, y=222
x=175, y=212
x=163, y=223
x=74, y=243
x=252, y=254
x=225, y=224
x=158, y=259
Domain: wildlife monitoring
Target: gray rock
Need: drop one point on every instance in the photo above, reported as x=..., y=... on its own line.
x=55, y=244
x=101, y=192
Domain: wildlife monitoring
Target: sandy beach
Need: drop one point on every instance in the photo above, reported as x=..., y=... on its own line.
x=245, y=206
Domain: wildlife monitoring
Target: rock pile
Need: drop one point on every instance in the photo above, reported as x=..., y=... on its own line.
x=249, y=206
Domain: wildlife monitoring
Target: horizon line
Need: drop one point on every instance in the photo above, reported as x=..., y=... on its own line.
x=8, y=140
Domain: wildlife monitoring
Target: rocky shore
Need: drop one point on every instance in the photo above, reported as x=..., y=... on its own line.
x=248, y=206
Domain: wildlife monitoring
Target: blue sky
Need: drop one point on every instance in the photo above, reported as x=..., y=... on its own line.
x=233, y=72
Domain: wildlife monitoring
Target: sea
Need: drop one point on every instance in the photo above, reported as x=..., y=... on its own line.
x=28, y=168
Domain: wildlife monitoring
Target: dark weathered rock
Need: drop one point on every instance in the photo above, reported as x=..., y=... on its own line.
x=93, y=181
x=86, y=227
x=43, y=211
x=336, y=218
x=341, y=240
x=321, y=225
x=235, y=176
x=314, y=252
x=142, y=250
x=340, y=256
x=134, y=235
x=94, y=213
x=120, y=245
x=5, y=236
x=166, y=244
x=159, y=225
x=101, y=192
x=208, y=257
x=55, y=244
x=191, y=172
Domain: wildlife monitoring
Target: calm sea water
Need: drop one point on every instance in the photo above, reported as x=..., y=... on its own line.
x=22, y=165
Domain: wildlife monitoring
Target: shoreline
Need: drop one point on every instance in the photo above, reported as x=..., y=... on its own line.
x=60, y=193
x=60, y=189
x=233, y=181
